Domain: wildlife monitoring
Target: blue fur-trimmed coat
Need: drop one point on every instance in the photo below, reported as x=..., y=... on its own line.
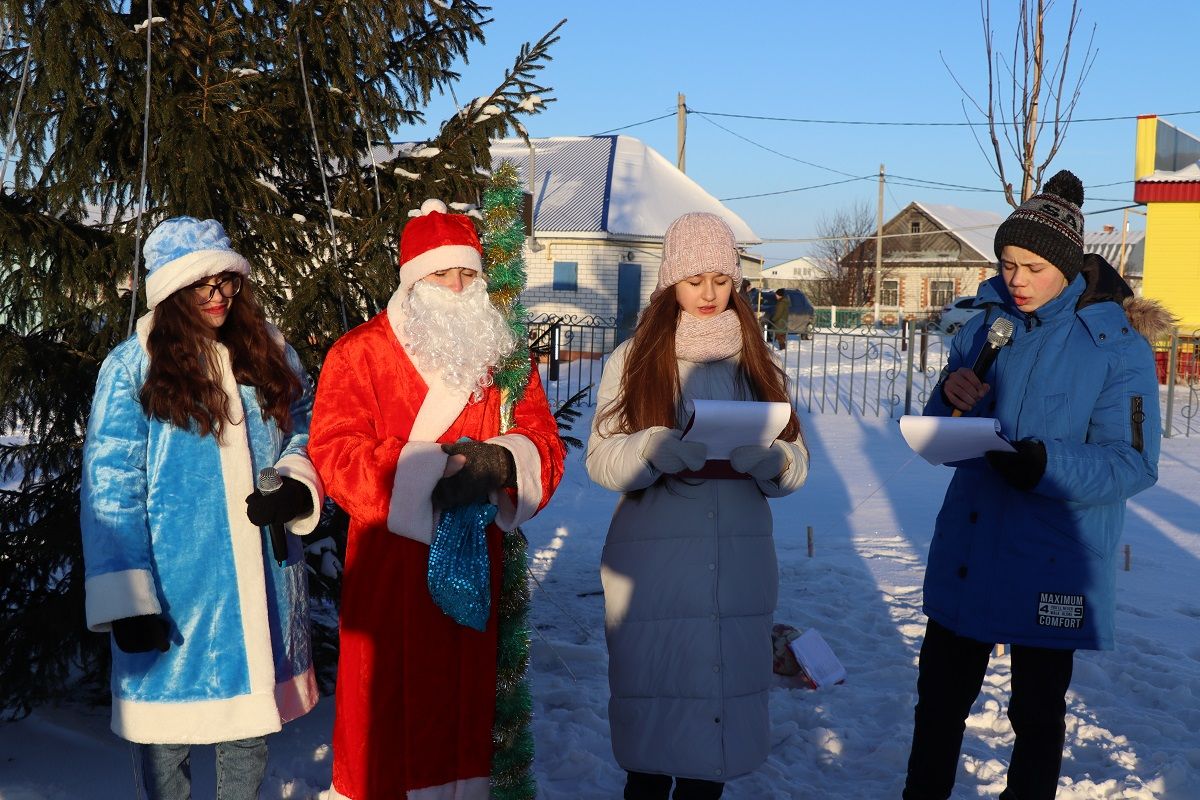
x=165, y=531
x=1038, y=567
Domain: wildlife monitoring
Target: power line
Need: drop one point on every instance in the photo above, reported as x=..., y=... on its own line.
x=892, y=123
x=872, y=237
x=798, y=189
x=635, y=124
x=771, y=150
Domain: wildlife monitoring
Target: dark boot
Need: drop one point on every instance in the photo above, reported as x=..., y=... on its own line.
x=647, y=786
x=695, y=789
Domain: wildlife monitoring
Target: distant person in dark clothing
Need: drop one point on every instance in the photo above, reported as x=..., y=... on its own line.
x=1024, y=547
x=778, y=321
x=744, y=291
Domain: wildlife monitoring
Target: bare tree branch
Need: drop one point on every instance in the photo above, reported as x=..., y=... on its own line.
x=1020, y=113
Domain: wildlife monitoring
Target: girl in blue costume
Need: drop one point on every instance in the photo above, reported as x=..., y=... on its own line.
x=210, y=633
x=1025, y=544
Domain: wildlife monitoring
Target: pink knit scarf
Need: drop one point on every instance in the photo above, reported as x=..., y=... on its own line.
x=711, y=339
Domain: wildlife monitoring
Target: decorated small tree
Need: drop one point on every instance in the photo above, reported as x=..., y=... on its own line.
x=503, y=243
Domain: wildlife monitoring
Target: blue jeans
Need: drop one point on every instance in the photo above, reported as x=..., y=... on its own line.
x=164, y=771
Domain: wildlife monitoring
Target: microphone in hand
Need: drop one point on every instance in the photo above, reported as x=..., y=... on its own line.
x=277, y=499
x=999, y=335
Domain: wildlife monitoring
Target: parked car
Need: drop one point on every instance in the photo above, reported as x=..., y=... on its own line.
x=957, y=312
x=801, y=313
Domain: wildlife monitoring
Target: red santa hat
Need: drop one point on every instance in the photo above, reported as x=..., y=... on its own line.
x=435, y=240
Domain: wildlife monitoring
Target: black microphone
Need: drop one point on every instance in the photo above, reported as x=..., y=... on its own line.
x=998, y=336
x=269, y=482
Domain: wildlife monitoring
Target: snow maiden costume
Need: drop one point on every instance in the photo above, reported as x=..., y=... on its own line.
x=416, y=691
x=165, y=532
x=689, y=568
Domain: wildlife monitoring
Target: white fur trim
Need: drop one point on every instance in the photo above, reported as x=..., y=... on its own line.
x=117, y=595
x=186, y=270
x=468, y=789
x=209, y=721
x=297, y=697
x=300, y=468
x=442, y=405
x=246, y=538
x=448, y=256
x=199, y=722
x=418, y=469
x=529, y=482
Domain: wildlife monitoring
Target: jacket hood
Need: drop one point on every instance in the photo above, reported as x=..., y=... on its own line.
x=1104, y=284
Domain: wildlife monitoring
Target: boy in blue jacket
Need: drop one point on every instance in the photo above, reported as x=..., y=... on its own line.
x=1025, y=543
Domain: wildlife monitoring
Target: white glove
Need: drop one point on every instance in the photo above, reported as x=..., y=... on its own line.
x=668, y=454
x=763, y=463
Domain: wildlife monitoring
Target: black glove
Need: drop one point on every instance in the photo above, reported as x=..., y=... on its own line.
x=489, y=467
x=291, y=500
x=1022, y=469
x=141, y=634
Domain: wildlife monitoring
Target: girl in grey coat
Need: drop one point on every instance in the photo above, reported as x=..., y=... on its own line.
x=689, y=571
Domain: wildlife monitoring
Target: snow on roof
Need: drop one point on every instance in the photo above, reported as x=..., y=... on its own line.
x=1108, y=245
x=609, y=184
x=1189, y=174
x=976, y=229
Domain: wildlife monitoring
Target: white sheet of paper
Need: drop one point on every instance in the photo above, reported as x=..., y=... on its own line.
x=817, y=658
x=942, y=439
x=723, y=425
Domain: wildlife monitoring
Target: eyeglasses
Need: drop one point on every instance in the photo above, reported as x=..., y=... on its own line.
x=227, y=285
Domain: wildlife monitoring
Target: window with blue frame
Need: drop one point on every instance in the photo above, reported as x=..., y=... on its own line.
x=566, y=276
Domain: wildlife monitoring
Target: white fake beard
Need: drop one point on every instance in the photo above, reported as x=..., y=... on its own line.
x=459, y=334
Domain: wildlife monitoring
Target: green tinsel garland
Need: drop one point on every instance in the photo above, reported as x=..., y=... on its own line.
x=503, y=241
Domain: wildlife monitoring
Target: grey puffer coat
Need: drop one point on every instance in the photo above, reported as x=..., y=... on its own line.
x=690, y=583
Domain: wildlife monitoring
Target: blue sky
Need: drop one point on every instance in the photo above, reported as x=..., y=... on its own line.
x=621, y=62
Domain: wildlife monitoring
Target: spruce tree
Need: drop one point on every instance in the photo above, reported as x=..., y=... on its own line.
x=231, y=138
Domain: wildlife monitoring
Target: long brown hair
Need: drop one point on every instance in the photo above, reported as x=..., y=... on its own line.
x=650, y=385
x=183, y=382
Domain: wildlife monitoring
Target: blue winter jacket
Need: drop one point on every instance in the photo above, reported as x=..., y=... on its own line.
x=165, y=531
x=1038, y=567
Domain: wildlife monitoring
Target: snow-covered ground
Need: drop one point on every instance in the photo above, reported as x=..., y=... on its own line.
x=1134, y=713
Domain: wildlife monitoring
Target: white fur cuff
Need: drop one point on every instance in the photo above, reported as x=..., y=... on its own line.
x=418, y=469
x=529, y=482
x=117, y=595
x=300, y=468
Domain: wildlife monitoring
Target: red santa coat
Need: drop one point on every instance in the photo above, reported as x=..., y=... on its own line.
x=415, y=691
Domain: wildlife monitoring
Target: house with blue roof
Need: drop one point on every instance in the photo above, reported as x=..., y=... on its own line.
x=601, y=205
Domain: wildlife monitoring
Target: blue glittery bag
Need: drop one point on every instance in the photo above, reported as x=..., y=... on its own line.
x=459, y=573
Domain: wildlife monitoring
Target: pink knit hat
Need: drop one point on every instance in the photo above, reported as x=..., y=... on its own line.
x=695, y=243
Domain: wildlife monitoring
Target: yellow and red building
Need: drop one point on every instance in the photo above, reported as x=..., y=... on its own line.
x=1167, y=182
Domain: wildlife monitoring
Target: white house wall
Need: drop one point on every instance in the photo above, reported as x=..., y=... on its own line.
x=597, y=263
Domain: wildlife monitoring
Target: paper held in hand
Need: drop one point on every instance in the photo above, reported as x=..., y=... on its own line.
x=940, y=440
x=817, y=659
x=722, y=425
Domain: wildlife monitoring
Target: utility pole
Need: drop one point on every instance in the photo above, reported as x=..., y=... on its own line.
x=879, y=246
x=1124, y=229
x=681, y=133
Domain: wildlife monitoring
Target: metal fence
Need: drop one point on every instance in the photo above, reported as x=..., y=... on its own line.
x=571, y=350
x=1177, y=360
x=852, y=370
x=863, y=370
